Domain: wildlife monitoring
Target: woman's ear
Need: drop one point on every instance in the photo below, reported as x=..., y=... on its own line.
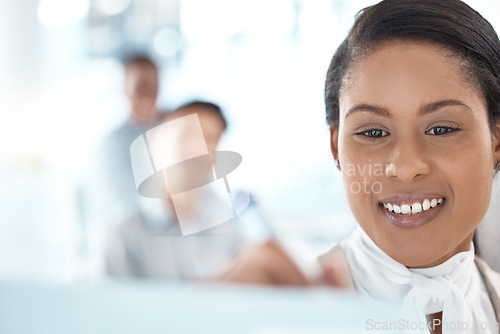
x=334, y=141
x=496, y=144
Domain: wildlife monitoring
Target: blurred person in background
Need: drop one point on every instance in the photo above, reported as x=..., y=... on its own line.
x=141, y=89
x=150, y=243
x=487, y=236
x=108, y=188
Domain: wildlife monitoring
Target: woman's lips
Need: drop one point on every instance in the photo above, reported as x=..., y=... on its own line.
x=409, y=211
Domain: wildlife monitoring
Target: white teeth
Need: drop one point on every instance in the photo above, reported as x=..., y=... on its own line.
x=405, y=209
x=415, y=208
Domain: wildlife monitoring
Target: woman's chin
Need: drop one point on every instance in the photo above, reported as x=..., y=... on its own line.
x=421, y=258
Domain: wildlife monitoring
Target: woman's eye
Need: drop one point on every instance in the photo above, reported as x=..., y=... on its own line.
x=373, y=133
x=441, y=130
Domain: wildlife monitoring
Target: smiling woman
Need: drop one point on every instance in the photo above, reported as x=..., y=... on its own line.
x=414, y=88
x=433, y=122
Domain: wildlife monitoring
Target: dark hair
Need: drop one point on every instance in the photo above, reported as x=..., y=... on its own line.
x=198, y=104
x=449, y=23
x=138, y=59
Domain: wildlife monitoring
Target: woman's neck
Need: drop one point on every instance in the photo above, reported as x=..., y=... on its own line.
x=435, y=321
x=464, y=246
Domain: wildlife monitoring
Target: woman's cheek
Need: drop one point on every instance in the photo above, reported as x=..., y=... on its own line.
x=359, y=189
x=471, y=186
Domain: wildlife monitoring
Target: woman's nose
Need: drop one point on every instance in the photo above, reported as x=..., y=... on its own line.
x=408, y=161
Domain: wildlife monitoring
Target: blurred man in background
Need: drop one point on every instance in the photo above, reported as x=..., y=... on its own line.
x=112, y=181
x=141, y=90
x=109, y=190
x=151, y=242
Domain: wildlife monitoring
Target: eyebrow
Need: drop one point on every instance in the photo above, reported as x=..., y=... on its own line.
x=423, y=110
x=430, y=107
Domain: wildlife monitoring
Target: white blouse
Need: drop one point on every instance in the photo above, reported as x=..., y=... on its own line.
x=454, y=287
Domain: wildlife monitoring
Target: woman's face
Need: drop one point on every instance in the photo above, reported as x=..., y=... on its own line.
x=416, y=152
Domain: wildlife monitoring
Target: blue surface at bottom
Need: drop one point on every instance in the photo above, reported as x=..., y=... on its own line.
x=152, y=307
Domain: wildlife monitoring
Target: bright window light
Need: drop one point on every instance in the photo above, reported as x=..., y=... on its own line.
x=112, y=7
x=58, y=13
x=167, y=42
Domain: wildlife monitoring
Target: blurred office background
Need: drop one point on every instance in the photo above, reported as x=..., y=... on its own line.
x=61, y=93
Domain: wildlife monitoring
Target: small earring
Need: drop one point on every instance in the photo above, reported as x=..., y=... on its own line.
x=498, y=166
x=337, y=161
